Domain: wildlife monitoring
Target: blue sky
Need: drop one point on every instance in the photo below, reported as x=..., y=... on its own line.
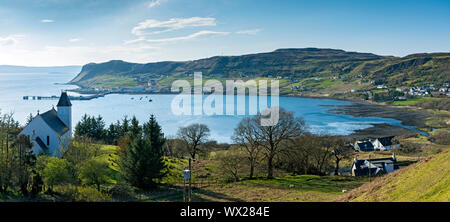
x=76, y=32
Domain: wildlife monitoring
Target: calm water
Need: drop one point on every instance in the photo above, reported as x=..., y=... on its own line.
x=113, y=107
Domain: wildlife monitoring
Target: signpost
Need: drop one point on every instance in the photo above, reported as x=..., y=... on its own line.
x=187, y=177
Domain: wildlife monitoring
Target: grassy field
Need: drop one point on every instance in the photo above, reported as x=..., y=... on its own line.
x=211, y=186
x=283, y=189
x=111, y=82
x=411, y=102
x=428, y=180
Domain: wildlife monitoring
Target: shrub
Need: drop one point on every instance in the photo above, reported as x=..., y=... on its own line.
x=89, y=194
x=66, y=193
x=122, y=191
x=441, y=104
x=56, y=172
x=442, y=138
x=70, y=193
x=410, y=148
x=95, y=172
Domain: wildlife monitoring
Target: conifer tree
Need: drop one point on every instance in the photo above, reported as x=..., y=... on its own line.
x=142, y=162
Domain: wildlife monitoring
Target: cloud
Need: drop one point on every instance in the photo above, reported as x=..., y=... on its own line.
x=75, y=55
x=152, y=26
x=7, y=41
x=10, y=40
x=154, y=3
x=47, y=21
x=249, y=32
x=177, y=39
x=74, y=40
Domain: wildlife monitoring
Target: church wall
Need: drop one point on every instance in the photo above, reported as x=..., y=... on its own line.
x=42, y=130
x=65, y=114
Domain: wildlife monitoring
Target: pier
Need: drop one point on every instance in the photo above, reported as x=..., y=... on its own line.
x=70, y=97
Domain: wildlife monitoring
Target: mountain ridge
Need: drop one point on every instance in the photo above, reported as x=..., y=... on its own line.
x=292, y=63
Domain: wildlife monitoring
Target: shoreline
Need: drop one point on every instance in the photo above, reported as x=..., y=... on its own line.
x=415, y=118
x=408, y=117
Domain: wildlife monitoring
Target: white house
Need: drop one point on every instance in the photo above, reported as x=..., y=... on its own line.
x=51, y=130
x=374, y=167
x=385, y=143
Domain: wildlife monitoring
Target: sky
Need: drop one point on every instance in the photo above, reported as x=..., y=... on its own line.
x=77, y=32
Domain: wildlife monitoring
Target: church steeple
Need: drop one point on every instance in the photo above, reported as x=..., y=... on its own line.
x=64, y=100
x=65, y=110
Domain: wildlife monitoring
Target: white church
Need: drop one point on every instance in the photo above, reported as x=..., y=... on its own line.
x=52, y=130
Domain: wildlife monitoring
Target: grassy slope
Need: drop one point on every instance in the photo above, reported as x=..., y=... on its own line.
x=428, y=180
x=306, y=188
x=411, y=101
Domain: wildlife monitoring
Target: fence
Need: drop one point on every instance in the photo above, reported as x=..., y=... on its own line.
x=197, y=183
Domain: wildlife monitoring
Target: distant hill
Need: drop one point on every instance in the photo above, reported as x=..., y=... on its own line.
x=291, y=63
x=428, y=180
x=54, y=69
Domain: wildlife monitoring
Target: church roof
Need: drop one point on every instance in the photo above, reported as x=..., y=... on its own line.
x=41, y=144
x=54, y=122
x=64, y=100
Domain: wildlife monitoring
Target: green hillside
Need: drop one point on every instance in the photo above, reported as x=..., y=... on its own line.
x=428, y=180
x=338, y=66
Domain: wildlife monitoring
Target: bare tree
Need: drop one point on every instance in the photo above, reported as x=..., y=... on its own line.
x=245, y=135
x=174, y=147
x=231, y=162
x=297, y=155
x=340, y=151
x=271, y=137
x=194, y=136
x=322, y=153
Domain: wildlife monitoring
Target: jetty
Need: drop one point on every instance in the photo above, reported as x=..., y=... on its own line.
x=89, y=97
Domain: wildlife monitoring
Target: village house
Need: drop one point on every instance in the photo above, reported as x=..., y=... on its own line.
x=374, y=167
x=400, y=98
x=402, y=89
x=364, y=146
x=378, y=144
x=385, y=143
x=51, y=130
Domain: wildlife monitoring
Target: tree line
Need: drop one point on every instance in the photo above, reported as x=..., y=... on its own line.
x=287, y=145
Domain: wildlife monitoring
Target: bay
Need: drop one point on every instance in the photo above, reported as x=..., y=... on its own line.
x=13, y=86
